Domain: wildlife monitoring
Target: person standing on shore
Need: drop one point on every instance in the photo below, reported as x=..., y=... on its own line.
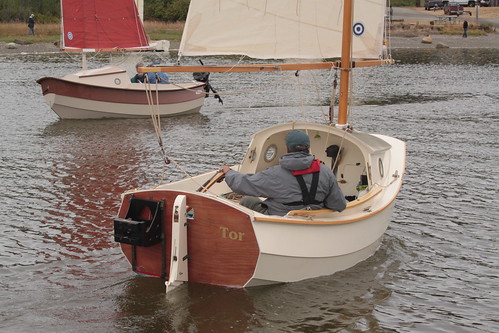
x=31, y=24
x=465, y=29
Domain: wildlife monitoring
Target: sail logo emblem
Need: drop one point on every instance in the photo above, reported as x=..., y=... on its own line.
x=70, y=35
x=358, y=29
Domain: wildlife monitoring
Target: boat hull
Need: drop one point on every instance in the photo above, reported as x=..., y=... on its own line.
x=228, y=246
x=110, y=94
x=231, y=245
x=217, y=256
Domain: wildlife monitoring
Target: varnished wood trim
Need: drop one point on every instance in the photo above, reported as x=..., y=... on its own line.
x=314, y=212
x=242, y=68
x=222, y=245
x=262, y=67
x=371, y=194
x=261, y=218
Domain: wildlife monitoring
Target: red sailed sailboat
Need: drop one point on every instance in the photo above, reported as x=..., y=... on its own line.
x=108, y=26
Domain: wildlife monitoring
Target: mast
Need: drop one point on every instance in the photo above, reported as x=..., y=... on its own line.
x=346, y=63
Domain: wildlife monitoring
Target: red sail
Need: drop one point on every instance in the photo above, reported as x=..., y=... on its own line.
x=104, y=24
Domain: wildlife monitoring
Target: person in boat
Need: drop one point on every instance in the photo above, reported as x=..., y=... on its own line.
x=298, y=182
x=139, y=77
x=160, y=78
x=31, y=25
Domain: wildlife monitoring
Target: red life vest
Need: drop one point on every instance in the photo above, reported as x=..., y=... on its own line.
x=314, y=167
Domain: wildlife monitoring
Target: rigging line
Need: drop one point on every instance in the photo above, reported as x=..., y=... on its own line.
x=316, y=85
x=333, y=96
x=350, y=93
x=138, y=23
x=388, y=24
x=155, y=117
x=339, y=150
x=198, y=184
x=241, y=58
x=395, y=177
x=157, y=127
x=177, y=165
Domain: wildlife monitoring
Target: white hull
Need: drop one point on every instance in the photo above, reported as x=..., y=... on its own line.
x=296, y=252
x=108, y=93
x=232, y=245
x=274, y=269
x=77, y=108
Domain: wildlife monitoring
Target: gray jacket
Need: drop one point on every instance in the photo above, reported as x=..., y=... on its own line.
x=280, y=186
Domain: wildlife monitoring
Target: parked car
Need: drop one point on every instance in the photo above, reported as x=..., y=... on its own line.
x=453, y=8
x=464, y=3
x=484, y=3
x=436, y=4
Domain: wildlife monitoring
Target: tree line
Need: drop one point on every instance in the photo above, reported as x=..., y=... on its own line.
x=49, y=11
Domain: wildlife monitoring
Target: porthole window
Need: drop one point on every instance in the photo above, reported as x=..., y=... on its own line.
x=270, y=153
x=117, y=81
x=380, y=166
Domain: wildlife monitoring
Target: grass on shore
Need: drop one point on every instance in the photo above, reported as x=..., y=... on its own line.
x=50, y=32
x=415, y=29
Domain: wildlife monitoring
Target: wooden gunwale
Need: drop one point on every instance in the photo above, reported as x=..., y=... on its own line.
x=350, y=204
x=261, y=218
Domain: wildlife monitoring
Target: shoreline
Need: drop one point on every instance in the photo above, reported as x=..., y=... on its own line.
x=404, y=42
x=490, y=41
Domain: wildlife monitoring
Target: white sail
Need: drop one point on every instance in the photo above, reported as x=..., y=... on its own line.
x=280, y=29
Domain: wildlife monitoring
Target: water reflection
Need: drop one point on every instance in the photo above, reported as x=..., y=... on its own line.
x=97, y=161
x=346, y=300
x=189, y=308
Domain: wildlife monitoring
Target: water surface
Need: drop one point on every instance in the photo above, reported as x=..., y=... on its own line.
x=436, y=270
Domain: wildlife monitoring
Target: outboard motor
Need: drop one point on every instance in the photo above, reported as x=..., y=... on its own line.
x=204, y=77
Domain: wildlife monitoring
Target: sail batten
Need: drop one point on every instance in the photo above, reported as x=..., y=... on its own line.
x=98, y=25
x=280, y=29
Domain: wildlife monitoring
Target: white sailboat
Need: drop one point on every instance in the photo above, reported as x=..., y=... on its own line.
x=190, y=230
x=110, y=26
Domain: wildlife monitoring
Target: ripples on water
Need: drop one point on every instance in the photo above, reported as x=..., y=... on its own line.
x=437, y=268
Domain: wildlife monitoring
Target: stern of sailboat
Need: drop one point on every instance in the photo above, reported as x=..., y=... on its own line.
x=221, y=245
